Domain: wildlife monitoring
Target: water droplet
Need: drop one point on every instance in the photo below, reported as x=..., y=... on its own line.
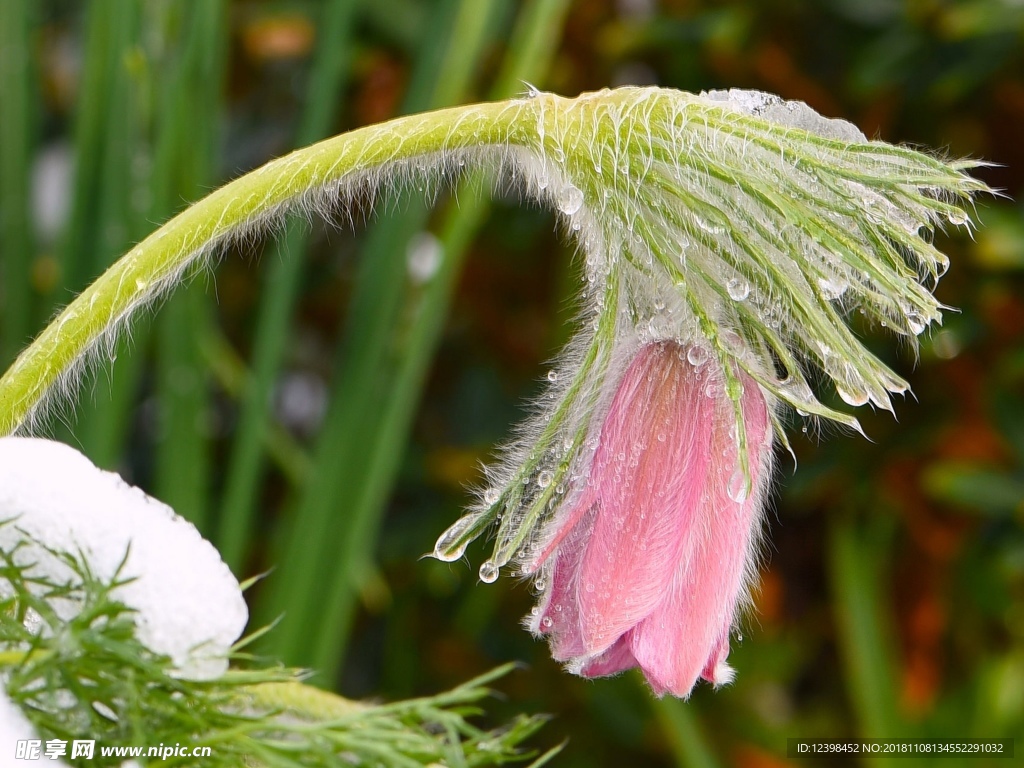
x=546, y=623
x=738, y=289
x=697, y=355
x=832, y=288
x=544, y=479
x=711, y=229
x=569, y=199
x=659, y=304
x=488, y=572
x=957, y=217
x=739, y=486
x=491, y=496
x=448, y=549
x=552, y=376
x=916, y=321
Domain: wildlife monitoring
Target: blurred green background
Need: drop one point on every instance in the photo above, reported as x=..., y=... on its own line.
x=320, y=403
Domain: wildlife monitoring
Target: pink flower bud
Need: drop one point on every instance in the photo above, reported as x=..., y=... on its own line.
x=648, y=561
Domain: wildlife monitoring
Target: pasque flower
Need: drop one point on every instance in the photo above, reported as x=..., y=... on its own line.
x=726, y=240
x=648, y=561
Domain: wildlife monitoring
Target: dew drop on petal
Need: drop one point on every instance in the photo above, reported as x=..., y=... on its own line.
x=738, y=289
x=488, y=572
x=697, y=355
x=739, y=487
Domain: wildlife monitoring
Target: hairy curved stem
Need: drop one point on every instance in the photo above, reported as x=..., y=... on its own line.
x=234, y=210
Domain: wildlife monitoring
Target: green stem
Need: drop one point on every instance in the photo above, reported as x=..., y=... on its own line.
x=244, y=205
x=304, y=700
x=17, y=658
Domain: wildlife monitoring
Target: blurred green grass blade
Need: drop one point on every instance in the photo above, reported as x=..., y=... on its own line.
x=856, y=561
x=185, y=165
x=123, y=220
x=680, y=726
x=984, y=489
x=231, y=374
x=532, y=46
x=106, y=215
x=16, y=146
x=279, y=295
x=308, y=560
x=415, y=335
x=110, y=37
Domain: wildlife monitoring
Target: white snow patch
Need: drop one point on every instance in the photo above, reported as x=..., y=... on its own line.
x=14, y=727
x=794, y=114
x=189, y=605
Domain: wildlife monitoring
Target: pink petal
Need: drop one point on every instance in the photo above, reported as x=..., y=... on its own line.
x=649, y=472
x=717, y=671
x=559, y=613
x=686, y=635
x=618, y=658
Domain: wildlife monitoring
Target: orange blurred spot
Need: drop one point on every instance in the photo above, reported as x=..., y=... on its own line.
x=379, y=92
x=926, y=625
x=777, y=69
x=769, y=598
x=749, y=756
x=278, y=37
